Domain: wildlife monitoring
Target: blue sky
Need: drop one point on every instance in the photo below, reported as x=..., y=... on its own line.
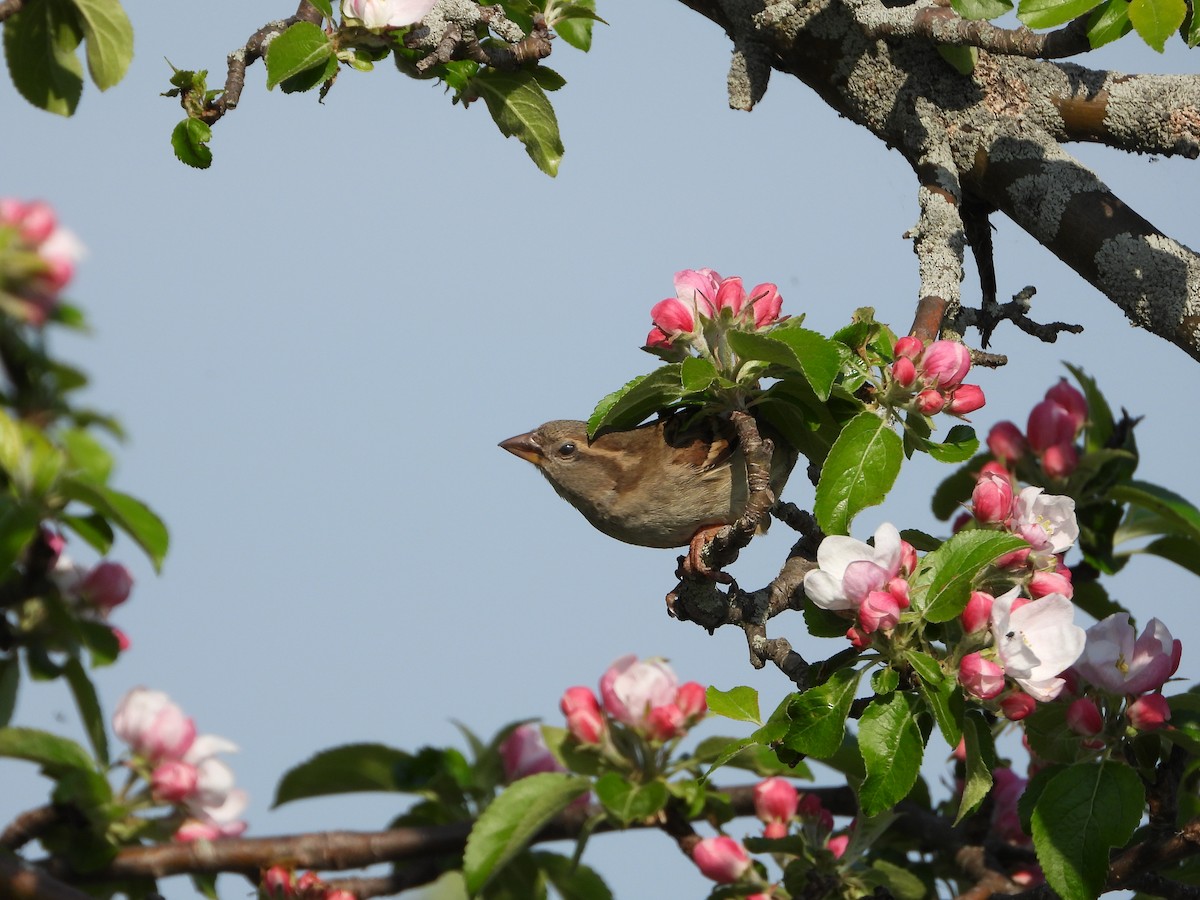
x=316, y=345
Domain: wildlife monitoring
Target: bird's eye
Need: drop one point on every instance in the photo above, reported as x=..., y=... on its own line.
x=566, y=449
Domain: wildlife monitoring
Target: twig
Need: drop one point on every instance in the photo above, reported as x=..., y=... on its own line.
x=986, y=318
x=10, y=8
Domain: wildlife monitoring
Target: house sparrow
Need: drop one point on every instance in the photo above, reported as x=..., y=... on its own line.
x=668, y=483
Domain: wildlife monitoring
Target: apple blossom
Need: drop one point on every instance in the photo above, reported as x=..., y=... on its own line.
x=1007, y=788
x=849, y=569
x=904, y=371
x=585, y=721
x=721, y=858
x=929, y=402
x=152, y=725
x=631, y=689
x=908, y=347
x=944, y=364
x=977, y=612
x=664, y=723
x=1016, y=706
x=1115, y=662
x=775, y=800
x=837, y=845
x=1060, y=460
x=1083, y=717
x=107, y=585
x=216, y=822
x=1043, y=583
x=879, y=611
x=380, y=14
x=1006, y=442
x=1071, y=400
x=1036, y=641
x=277, y=882
x=1046, y=521
x=1049, y=424
x=1149, y=712
x=692, y=701
x=339, y=894
x=992, y=499
x=524, y=753
x=766, y=303
x=980, y=677
x=173, y=781
x=966, y=398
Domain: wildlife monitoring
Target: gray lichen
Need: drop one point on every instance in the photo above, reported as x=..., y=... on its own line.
x=1156, y=281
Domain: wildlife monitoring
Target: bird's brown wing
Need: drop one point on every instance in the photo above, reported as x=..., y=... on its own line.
x=705, y=442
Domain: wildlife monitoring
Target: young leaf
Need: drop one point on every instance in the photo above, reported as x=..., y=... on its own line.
x=860, y=469
x=349, y=769
x=190, y=140
x=813, y=355
x=574, y=24
x=628, y=802
x=944, y=700
x=696, y=374
x=959, y=446
x=1157, y=20
x=507, y=826
x=302, y=47
x=981, y=759
x=952, y=569
x=39, y=44
x=1182, y=515
x=1100, y=418
x=56, y=755
x=1084, y=812
x=1048, y=13
x=818, y=716
x=962, y=58
x=88, y=704
x=128, y=513
x=109, y=38
x=631, y=404
x=981, y=9
x=739, y=704
x=892, y=746
x=520, y=109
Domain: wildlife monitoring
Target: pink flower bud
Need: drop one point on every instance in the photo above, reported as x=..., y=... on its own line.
x=657, y=338
x=722, y=859
x=810, y=807
x=1060, y=460
x=904, y=371
x=1043, y=583
x=1070, y=399
x=730, y=295
x=977, y=612
x=775, y=830
x=524, y=753
x=775, y=800
x=123, y=642
x=908, y=558
x=107, y=585
x=1017, y=706
x=980, y=677
x=340, y=895
x=1083, y=717
x=929, y=403
x=1148, y=712
x=908, y=347
x=277, y=882
x=173, y=781
x=1018, y=559
x=944, y=364
x=1049, y=424
x=578, y=699
x=837, y=845
x=1006, y=442
x=691, y=700
x=898, y=588
x=878, y=611
x=586, y=726
x=38, y=222
x=665, y=722
x=960, y=751
x=309, y=881
x=767, y=304
x=858, y=638
x=153, y=726
x=992, y=499
x=672, y=317
x=967, y=398
x=195, y=830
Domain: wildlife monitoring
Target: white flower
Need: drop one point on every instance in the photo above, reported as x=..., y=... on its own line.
x=386, y=13
x=1047, y=522
x=1037, y=642
x=849, y=569
x=1115, y=661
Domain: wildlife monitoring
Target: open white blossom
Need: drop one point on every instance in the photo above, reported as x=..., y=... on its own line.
x=1037, y=642
x=849, y=569
x=1046, y=521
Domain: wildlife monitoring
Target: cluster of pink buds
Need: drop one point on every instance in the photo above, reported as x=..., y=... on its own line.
x=643, y=695
x=93, y=593
x=180, y=766
x=281, y=883
x=524, y=753
x=931, y=377
x=37, y=258
x=865, y=581
x=1050, y=435
x=704, y=307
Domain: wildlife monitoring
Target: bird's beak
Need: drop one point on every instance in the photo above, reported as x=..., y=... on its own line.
x=524, y=446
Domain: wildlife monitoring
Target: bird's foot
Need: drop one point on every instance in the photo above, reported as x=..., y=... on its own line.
x=693, y=566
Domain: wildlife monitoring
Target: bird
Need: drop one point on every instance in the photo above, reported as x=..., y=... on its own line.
x=672, y=482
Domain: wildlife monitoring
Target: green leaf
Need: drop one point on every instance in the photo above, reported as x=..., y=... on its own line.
x=628, y=802
x=1178, y=550
x=631, y=404
x=891, y=745
x=303, y=47
x=521, y=109
x=10, y=680
x=1100, y=419
x=1181, y=515
x=981, y=760
x=512, y=820
x=1157, y=20
x=88, y=704
x=18, y=527
x=572, y=880
x=858, y=472
x=1093, y=599
x=818, y=716
x=1084, y=812
x=86, y=455
x=128, y=513
x=39, y=44
x=739, y=704
x=190, y=140
x=1048, y=13
x=884, y=681
x=109, y=37
x=354, y=768
x=92, y=528
x=99, y=638
x=1048, y=734
x=926, y=666
x=981, y=9
x=897, y=881
x=959, y=446
x=950, y=571
x=811, y=354
x=696, y=374
x=574, y=24
x=325, y=7
x=205, y=884
x=945, y=701
x=56, y=755
x=962, y=58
